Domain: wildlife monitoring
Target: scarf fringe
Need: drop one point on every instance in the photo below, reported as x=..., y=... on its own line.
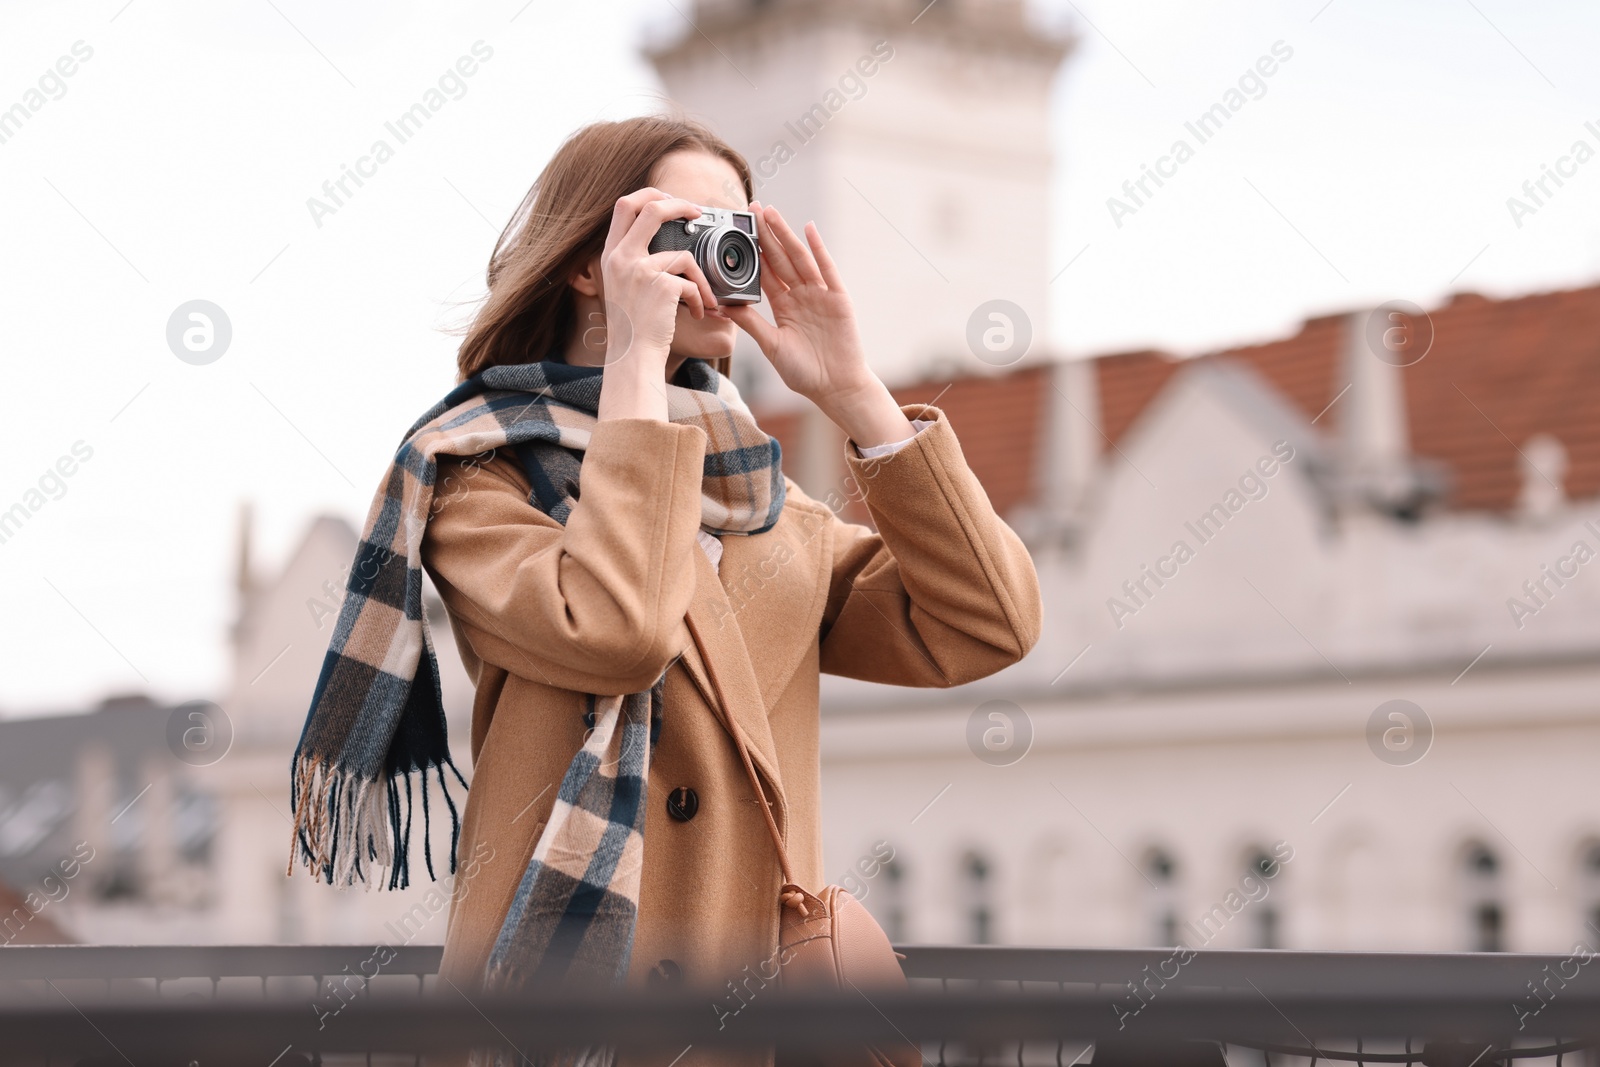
x=348, y=828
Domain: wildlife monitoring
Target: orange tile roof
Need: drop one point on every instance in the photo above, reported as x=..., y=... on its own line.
x=28, y=927
x=1000, y=422
x=1498, y=372
x=1530, y=365
x=1127, y=383
x=1303, y=368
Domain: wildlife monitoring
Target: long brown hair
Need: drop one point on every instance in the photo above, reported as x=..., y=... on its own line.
x=561, y=224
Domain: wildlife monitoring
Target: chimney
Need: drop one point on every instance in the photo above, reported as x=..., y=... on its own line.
x=96, y=786
x=1070, y=451
x=156, y=856
x=1376, y=467
x=1543, y=466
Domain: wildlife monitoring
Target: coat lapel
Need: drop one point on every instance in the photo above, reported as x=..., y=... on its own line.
x=718, y=640
x=756, y=620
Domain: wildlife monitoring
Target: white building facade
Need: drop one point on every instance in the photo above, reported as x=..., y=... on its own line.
x=1238, y=704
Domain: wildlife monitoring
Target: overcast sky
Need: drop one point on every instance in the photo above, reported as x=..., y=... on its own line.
x=174, y=164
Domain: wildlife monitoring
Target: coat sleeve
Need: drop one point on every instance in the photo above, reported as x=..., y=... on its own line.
x=944, y=592
x=596, y=606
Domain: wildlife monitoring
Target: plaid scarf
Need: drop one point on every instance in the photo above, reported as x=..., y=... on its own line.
x=377, y=718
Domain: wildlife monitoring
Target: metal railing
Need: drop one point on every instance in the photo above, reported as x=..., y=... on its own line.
x=968, y=1005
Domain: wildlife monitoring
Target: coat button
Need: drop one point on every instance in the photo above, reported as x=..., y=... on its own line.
x=682, y=803
x=665, y=973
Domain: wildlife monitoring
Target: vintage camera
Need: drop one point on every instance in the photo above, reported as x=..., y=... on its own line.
x=723, y=243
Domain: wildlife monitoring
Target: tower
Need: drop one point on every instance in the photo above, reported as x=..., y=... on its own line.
x=915, y=134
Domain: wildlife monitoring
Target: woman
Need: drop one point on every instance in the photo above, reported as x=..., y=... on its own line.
x=591, y=611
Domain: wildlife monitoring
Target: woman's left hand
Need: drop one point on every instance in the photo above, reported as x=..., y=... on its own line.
x=813, y=342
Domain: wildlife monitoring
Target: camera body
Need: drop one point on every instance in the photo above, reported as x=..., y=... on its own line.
x=723, y=243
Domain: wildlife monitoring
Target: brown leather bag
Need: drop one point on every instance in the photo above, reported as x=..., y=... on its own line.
x=831, y=941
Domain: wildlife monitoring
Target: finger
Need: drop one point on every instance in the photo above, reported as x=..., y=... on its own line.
x=626, y=210
x=636, y=242
x=682, y=264
x=799, y=255
x=825, y=263
x=688, y=294
x=771, y=284
x=752, y=322
x=647, y=220
x=768, y=281
x=772, y=251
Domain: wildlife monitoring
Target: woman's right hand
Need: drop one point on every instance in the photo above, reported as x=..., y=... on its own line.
x=643, y=288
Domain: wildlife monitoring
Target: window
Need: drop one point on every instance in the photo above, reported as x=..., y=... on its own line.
x=36, y=814
x=1161, y=875
x=1051, y=915
x=194, y=825
x=978, y=879
x=1481, y=875
x=1261, y=870
x=894, y=901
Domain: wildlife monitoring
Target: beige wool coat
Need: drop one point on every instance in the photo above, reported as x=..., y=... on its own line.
x=942, y=593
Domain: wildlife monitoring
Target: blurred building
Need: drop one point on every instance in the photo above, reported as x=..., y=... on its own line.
x=179, y=816
x=1336, y=591
x=1356, y=708
x=1202, y=746
x=99, y=835
x=1188, y=709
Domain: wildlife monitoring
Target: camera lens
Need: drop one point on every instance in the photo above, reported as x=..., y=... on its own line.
x=735, y=258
